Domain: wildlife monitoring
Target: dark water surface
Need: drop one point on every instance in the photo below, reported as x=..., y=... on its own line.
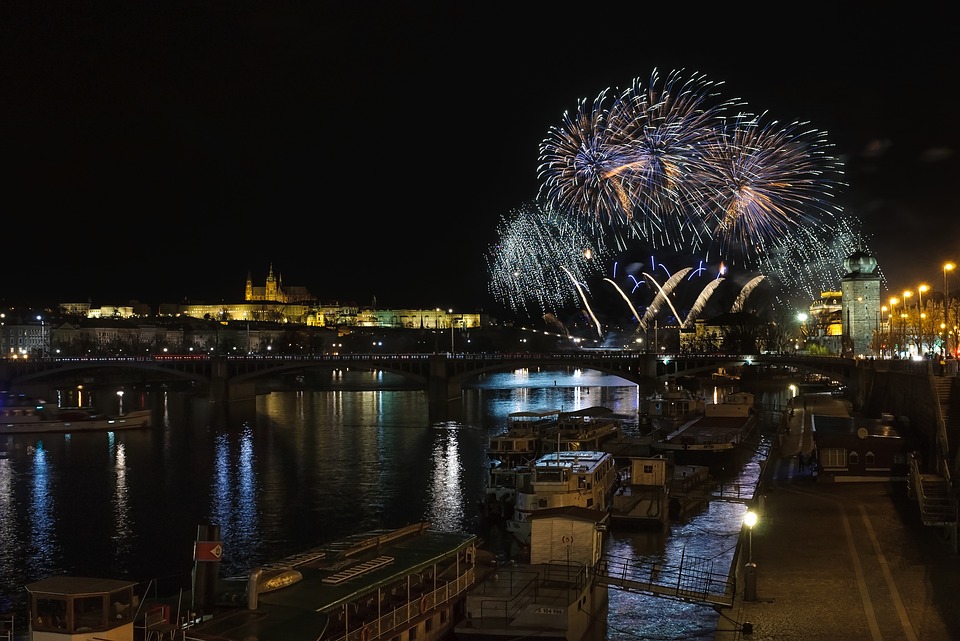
x=299, y=468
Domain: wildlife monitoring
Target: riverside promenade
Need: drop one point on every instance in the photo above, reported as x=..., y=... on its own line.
x=840, y=560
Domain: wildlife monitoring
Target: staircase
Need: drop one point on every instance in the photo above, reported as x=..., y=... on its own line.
x=938, y=504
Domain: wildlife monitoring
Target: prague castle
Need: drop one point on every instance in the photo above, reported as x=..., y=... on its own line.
x=274, y=291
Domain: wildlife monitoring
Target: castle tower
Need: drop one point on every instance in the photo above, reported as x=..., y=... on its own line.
x=860, y=287
x=270, y=291
x=248, y=294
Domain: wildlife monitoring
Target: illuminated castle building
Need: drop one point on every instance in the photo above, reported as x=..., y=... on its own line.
x=273, y=291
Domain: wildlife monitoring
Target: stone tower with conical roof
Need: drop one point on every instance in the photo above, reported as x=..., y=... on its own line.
x=860, y=287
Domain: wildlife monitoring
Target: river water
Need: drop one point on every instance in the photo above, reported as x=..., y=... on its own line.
x=300, y=467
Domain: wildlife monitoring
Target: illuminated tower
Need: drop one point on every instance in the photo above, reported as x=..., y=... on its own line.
x=860, y=286
x=270, y=291
x=248, y=295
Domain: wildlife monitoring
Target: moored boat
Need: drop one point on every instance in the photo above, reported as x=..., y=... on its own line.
x=585, y=479
x=590, y=428
x=672, y=406
x=409, y=582
x=554, y=596
x=522, y=441
x=654, y=490
x=21, y=414
x=710, y=438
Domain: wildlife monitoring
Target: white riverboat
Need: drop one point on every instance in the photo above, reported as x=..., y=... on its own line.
x=584, y=479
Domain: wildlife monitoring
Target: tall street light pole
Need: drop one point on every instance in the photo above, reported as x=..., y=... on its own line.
x=750, y=570
x=920, y=314
x=906, y=294
x=452, y=351
x=893, y=304
x=946, y=302
x=43, y=341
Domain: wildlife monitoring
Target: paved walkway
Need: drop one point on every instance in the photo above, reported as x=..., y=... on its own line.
x=847, y=561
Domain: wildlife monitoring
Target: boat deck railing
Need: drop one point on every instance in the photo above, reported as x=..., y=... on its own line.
x=387, y=625
x=693, y=580
x=555, y=584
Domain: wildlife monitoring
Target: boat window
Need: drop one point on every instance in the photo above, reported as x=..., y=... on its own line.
x=88, y=613
x=49, y=613
x=120, y=605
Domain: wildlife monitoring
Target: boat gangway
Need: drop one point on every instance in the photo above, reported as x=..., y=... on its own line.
x=692, y=580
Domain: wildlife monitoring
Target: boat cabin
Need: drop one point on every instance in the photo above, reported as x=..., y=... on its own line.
x=70, y=607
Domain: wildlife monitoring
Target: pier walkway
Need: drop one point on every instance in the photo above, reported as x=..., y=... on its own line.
x=848, y=561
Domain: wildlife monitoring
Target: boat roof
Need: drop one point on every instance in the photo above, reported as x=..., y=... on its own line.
x=533, y=413
x=76, y=585
x=592, y=412
x=568, y=458
x=337, y=573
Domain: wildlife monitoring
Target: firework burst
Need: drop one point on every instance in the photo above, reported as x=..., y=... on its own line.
x=637, y=162
x=539, y=258
x=664, y=165
x=768, y=180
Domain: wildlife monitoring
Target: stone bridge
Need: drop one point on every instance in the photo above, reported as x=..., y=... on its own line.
x=442, y=375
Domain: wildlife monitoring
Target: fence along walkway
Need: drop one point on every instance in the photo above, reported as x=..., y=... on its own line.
x=693, y=580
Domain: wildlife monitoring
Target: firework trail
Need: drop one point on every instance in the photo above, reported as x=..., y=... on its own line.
x=534, y=243
x=663, y=295
x=553, y=320
x=701, y=302
x=767, y=180
x=586, y=303
x=633, y=309
x=745, y=293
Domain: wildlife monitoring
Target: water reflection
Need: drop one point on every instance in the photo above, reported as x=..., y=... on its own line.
x=446, y=504
x=123, y=534
x=308, y=466
x=41, y=512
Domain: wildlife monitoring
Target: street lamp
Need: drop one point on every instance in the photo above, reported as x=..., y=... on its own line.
x=43, y=340
x=890, y=318
x=120, y=396
x=906, y=294
x=920, y=314
x=452, y=351
x=946, y=302
x=883, y=349
x=750, y=570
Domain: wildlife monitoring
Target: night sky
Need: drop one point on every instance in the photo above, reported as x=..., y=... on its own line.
x=161, y=151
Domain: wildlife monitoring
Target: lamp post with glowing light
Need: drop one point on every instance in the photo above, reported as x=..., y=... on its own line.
x=452, y=351
x=920, y=314
x=750, y=569
x=946, y=302
x=43, y=337
x=906, y=294
x=893, y=305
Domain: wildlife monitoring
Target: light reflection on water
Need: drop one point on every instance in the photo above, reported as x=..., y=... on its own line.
x=303, y=468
